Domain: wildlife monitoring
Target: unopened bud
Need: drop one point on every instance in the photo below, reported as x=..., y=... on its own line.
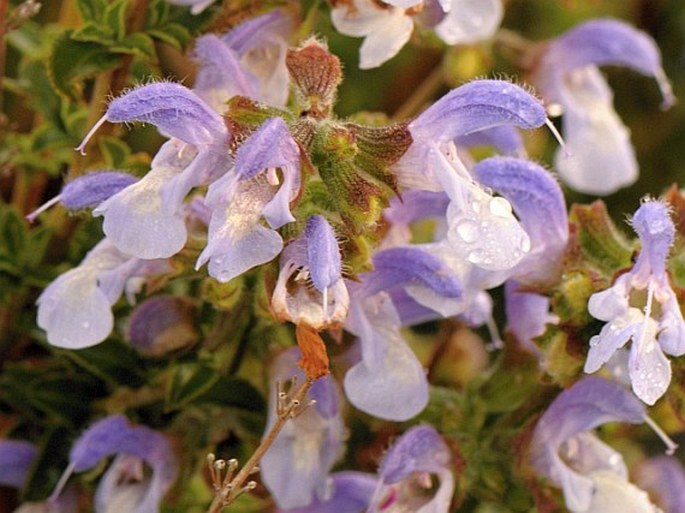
x=317, y=74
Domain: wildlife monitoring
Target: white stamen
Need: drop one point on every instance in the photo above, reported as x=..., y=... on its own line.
x=664, y=84
x=62, y=482
x=32, y=216
x=325, y=304
x=558, y=137
x=648, y=313
x=81, y=148
x=671, y=446
x=272, y=176
x=495, y=339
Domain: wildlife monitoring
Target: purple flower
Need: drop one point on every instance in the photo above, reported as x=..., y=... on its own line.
x=539, y=203
x=296, y=466
x=388, y=382
x=249, y=61
x=76, y=309
x=592, y=476
x=88, y=191
x=527, y=315
x=652, y=333
x=310, y=288
x=237, y=241
x=664, y=478
x=403, y=484
x=16, y=458
x=568, y=75
x=139, y=476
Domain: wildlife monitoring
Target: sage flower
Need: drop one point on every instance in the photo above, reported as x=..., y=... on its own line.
x=567, y=75
x=653, y=331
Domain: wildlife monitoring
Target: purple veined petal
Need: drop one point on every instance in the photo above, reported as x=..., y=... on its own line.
x=649, y=369
x=270, y=146
x=262, y=44
x=100, y=440
x=652, y=223
x=415, y=205
x=350, y=492
x=237, y=241
x=470, y=21
x=527, y=315
x=221, y=75
x=539, y=203
x=137, y=221
x=664, y=478
x=504, y=138
x=88, y=191
x=295, y=467
x=587, y=404
x=16, y=458
x=254, y=32
x=175, y=110
x=590, y=117
x=410, y=311
x=599, y=43
x=420, y=449
x=475, y=106
x=404, y=266
x=323, y=253
x=389, y=383
x=374, y=321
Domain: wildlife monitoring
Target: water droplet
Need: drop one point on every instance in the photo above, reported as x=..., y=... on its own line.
x=477, y=257
x=500, y=207
x=594, y=341
x=85, y=325
x=468, y=231
x=475, y=206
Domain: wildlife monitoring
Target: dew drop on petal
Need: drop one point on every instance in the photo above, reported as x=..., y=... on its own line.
x=500, y=207
x=467, y=230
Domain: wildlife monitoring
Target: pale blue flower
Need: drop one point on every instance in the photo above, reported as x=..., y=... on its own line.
x=16, y=458
x=143, y=470
x=237, y=241
x=567, y=74
x=592, y=475
x=653, y=331
x=296, y=466
x=310, y=288
x=75, y=310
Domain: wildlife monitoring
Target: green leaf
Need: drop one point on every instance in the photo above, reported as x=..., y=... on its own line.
x=46, y=469
x=173, y=34
x=138, y=44
x=115, y=18
x=91, y=10
x=235, y=393
x=12, y=231
x=111, y=361
x=599, y=242
x=115, y=152
x=93, y=32
x=189, y=381
x=72, y=62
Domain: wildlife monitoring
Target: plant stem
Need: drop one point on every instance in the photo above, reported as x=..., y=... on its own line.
x=232, y=490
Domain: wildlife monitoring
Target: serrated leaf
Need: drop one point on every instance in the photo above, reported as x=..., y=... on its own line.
x=72, y=62
x=173, y=34
x=138, y=44
x=91, y=10
x=189, y=382
x=157, y=14
x=115, y=18
x=93, y=32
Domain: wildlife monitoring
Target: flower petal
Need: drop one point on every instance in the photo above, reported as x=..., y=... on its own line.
x=470, y=21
